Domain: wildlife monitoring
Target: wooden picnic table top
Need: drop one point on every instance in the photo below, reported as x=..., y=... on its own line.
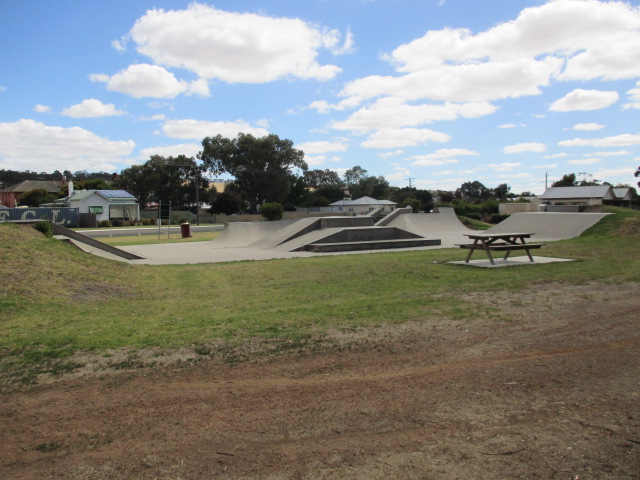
x=498, y=235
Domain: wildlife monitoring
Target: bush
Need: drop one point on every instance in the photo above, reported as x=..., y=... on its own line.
x=271, y=211
x=117, y=222
x=147, y=221
x=44, y=226
x=104, y=223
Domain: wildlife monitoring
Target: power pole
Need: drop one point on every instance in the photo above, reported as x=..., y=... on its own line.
x=410, y=178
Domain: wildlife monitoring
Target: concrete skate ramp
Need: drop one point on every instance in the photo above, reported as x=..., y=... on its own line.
x=243, y=234
x=548, y=226
x=444, y=225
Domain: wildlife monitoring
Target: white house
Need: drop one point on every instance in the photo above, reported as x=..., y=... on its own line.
x=363, y=205
x=105, y=204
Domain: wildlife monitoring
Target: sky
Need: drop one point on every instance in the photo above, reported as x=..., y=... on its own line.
x=427, y=93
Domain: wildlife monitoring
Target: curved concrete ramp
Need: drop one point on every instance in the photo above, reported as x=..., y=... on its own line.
x=444, y=225
x=243, y=234
x=549, y=226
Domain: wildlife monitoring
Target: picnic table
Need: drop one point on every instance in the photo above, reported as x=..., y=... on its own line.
x=499, y=242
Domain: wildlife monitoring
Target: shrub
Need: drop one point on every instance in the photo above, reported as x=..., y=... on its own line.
x=104, y=223
x=117, y=222
x=147, y=221
x=44, y=226
x=271, y=211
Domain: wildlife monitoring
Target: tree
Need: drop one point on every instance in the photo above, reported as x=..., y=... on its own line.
x=262, y=167
x=352, y=178
x=36, y=197
x=568, y=180
x=170, y=179
x=501, y=192
x=318, y=179
x=424, y=197
x=637, y=174
x=474, y=192
x=271, y=211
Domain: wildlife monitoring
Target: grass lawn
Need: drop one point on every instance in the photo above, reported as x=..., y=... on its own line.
x=57, y=301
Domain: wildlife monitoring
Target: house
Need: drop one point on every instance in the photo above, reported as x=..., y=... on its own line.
x=623, y=196
x=105, y=204
x=10, y=196
x=588, y=195
x=363, y=205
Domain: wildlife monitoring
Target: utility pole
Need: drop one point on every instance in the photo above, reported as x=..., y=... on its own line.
x=410, y=178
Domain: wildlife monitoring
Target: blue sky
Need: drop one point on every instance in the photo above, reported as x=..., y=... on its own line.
x=432, y=92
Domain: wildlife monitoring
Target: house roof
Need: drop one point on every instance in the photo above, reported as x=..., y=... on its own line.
x=362, y=201
x=622, y=193
x=566, y=193
x=27, y=185
x=112, y=196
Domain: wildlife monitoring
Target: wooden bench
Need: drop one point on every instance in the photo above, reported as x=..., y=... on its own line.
x=499, y=242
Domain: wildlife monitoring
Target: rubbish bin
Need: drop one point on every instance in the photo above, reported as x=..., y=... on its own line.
x=185, y=228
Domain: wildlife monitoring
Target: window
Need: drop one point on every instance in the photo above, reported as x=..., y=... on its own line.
x=95, y=209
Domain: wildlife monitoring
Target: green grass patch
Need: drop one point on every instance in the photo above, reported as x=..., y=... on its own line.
x=57, y=301
x=129, y=240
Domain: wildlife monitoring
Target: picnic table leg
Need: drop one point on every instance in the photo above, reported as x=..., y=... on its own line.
x=486, y=249
x=529, y=254
x=473, y=247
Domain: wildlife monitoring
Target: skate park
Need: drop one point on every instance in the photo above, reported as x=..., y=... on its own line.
x=317, y=236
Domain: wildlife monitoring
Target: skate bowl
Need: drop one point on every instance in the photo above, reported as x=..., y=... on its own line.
x=317, y=236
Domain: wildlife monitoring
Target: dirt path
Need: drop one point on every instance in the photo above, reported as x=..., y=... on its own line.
x=552, y=394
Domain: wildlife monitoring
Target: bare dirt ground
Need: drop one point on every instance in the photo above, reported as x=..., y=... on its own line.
x=546, y=387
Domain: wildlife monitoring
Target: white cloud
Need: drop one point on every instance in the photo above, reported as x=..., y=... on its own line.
x=556, y=155
x=585, y=161
x=634, y=98
x=511, y=125
x=525, y=147
x=551, y=165
x=559, y=40
x=403, y=137
x=144, y=80
x=588, y=126
x=394, y=112
x=42, y=108
x=503, y=167
x=198, y=129
x=479, y=82
x=186, y=149
x=236, y=47
x=36, y=146
x=395, y=153
x=584, y=100
x=434, y=162
x=316, y=160
x=92, y=108
x=624, y=140
x=154, y=118
x=618, y=153
x=322, y=147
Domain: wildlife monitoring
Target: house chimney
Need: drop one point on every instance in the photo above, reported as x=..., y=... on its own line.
x=70, y=187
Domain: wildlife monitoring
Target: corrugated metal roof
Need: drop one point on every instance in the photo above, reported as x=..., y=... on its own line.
x=362, y=201
x=591, y=191
x=622, y=193
x=28, y=185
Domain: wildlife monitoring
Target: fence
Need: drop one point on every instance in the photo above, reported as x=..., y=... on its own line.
x=65, y=216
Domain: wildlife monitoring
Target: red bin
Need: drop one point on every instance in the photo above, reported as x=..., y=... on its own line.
x=185, y=228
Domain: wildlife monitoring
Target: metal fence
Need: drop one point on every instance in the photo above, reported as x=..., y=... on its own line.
x=64, y=216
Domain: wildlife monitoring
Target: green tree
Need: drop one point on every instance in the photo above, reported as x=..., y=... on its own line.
x=568, y=180
x=36, y=197
x=170, y=179
x=474, y=192
x=271, y=211
x=262, y=167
